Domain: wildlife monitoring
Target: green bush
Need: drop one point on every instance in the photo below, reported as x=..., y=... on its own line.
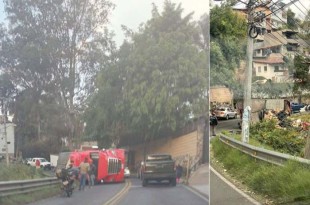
x=287, y=140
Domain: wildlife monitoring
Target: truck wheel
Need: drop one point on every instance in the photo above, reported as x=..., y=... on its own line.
x=144, y=182
x=173, y=182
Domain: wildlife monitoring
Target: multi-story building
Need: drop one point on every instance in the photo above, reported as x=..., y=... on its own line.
x=270, y=54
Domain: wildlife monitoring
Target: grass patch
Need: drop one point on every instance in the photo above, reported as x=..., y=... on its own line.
x=21, y=199
x=252, y=141
x=23, y=172
x=19, y=172
x=289, y=184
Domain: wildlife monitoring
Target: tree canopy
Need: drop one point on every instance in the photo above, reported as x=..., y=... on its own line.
x=157, y=81
x=52, y=51
x=228, y=46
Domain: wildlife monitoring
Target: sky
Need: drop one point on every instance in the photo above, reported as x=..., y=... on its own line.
x=132, y=13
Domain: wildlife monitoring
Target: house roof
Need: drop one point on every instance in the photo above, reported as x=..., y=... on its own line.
x=278, y=38
x=273, y=58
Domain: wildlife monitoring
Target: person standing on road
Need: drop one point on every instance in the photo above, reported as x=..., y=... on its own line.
x=84, y=168
x=38, y=164
x=179, y=172
x=91, y=174
x=213, y=123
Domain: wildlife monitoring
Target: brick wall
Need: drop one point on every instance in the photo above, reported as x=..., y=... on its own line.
x=181, y=148
x=220, y=94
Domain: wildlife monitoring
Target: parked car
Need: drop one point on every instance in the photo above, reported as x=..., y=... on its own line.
x=27, y=161
x=127, y=172
x=43, y=163
x=295, y=107
x=225, y=113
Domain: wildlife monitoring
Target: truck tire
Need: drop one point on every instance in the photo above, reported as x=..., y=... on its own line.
x=173, y=182
x=144, y=182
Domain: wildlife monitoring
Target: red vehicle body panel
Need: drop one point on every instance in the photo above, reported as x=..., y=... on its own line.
x=109, y=163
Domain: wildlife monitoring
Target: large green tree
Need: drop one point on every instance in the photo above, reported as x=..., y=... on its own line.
x=292, y=21
x=301, y=73
x=157, y=82
x=52, y=50
x=228, y=46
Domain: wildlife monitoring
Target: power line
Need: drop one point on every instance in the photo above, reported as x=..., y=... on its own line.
x=303, y=6
x=268, y=8
x=298, y=7
x=274, y=11
x=296, y=33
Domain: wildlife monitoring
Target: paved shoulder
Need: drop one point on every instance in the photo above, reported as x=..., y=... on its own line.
x=200, y=180
x=223, y=192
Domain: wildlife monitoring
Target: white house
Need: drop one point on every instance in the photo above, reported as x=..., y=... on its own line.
x=271, y=67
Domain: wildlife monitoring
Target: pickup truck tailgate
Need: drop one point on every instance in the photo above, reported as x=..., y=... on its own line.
x=162, y=167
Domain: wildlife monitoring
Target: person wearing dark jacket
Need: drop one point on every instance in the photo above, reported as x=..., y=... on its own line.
x=179, y=172
x=213, y=123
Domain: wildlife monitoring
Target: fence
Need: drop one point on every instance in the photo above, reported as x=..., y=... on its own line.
x=25, y=186
x=262, y=154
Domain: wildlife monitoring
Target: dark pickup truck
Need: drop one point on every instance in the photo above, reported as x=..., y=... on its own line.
x=158, y=167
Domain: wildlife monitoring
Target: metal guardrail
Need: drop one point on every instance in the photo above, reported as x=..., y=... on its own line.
x=262, y=154
x=25, y=186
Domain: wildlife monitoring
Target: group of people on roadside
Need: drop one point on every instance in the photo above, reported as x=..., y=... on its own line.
x=86, y=172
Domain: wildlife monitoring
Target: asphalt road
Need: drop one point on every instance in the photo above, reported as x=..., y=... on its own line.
x=160, y=194
x=231, y=124
x=97, y=195
x=153, y=194
x=221, y=193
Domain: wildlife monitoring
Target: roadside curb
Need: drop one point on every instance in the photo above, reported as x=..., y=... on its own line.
x=114, y=200
x=191, y=187
x=197, y=192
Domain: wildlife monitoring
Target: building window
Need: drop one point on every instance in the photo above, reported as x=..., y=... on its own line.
x=278, y=69
x=259, y=69
x=265, y=68
x=291, y=47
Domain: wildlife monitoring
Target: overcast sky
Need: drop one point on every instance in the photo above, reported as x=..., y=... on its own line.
x=132, y=13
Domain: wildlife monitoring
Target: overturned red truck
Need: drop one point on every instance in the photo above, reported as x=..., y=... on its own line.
x=109, y=163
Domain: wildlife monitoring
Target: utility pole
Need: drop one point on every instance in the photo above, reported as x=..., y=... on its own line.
x=248, y=78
